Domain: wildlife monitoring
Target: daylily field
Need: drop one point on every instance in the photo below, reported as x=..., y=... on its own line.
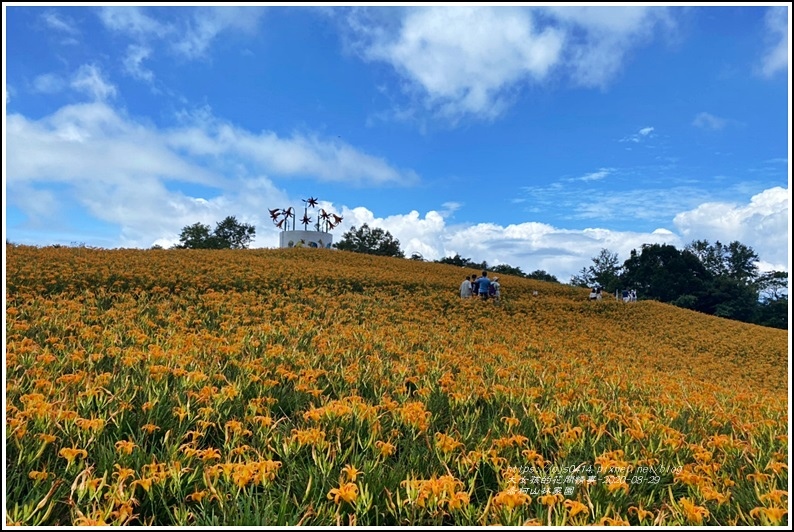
x=321, y=387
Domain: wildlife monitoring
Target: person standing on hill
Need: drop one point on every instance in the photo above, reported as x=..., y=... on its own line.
x=475, y=285
x=465, y=288
x=483, y=284
x=496, y=289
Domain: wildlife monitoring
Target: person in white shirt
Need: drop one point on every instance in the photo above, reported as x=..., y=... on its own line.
x=465, y=288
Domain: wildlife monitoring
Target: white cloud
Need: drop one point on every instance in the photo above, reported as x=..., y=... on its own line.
x=639, y=136
x=152, y=182
x=88, y=79
x=190, y=36
x=531, y=246
x=207, y=23
x=465, y=60
x=709, y=121
x=777, y=55
x=48, y=84
x=93, y=143
x=301, y=155
x=58, y=22
x=595, y=176
x=599, y=38
x=762, y=224
x=472, y=60
x=133, y=62
x=132, y=21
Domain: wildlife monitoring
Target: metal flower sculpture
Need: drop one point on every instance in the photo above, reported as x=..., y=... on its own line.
x=285, y=215
x=329, y=220
x=289, y=213
x=325, y=220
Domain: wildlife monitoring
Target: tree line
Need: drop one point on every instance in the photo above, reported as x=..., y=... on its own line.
x=717, y=279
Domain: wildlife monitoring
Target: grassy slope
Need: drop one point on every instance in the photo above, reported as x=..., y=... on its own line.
x=386, y=329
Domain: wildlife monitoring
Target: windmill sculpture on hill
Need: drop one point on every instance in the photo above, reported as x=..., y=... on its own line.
x=325, y=220
x=284, y=215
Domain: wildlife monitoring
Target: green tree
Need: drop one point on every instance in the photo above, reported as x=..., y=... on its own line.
x=773, y=300
x=712, y=257
x=196, y=236
x=735, y=260
x=373, y=241
x=543, y=275
x=506, y=269
x=583, y=279
x=742, y=263
x=605, y=272
x=729, y=298
x=662, y=272
x=457, y=260
x=228, y=234
x=773, y=286
x=233, y=234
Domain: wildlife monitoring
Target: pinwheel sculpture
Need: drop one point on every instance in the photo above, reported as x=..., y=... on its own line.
x=328, y=220
x=325, y=220
x=281, y=218
x=306, y=220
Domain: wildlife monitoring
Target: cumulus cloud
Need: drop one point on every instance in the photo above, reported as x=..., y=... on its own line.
x=531, y=246
x=776, y=58
x=709, y=121
x=472, y=60
x=762, y=224
x=464, y=60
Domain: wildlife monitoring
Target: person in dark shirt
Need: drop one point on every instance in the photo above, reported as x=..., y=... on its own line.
x=475, y=288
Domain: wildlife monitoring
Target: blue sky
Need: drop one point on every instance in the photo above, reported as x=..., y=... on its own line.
x=531, y=136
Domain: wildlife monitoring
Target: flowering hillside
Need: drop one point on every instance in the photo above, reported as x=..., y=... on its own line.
x=321, y=387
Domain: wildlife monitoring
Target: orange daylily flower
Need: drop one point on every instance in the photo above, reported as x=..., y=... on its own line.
x=347, y=492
